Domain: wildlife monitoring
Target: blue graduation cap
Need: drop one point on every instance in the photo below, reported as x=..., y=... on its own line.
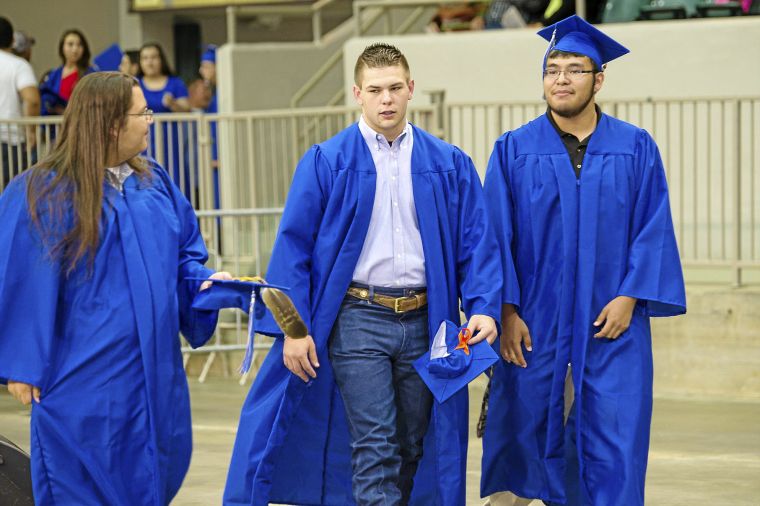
x=209, y=54
x=241, y=293
x=451, y=363
x=109, y=59
x=575, y=35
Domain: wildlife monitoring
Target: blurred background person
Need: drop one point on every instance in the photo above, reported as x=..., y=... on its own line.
x=58, y=84
x=457, y=17
x=165, y=93
x=18, y=97
x=207, y=71
x=130, y=62
x=198, y=95
x=22, y=45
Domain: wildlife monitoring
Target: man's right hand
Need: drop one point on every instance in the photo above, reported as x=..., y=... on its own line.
x=514, y=333
x=24, y=392
x=300, y=357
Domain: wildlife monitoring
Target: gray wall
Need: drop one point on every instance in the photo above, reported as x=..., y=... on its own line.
x=266, y=75
x=668, y=59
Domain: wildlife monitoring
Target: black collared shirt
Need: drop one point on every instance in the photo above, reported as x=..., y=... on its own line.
x=575, y=148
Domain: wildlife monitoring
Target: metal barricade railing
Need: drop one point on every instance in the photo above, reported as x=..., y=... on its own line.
x=709, y=147
x=254, y=153
x=258, y=151
x=23, y=141
x=251, y=236
x=712, y=158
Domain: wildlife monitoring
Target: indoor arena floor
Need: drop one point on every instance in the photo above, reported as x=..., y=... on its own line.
x=703, y=452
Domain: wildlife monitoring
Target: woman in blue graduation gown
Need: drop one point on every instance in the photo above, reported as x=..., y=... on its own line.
x=293, y=442
x=92, y=299
x=571, y=245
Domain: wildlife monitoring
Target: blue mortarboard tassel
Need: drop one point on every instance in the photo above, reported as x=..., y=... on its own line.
x=241, y=293
x=552, y=43
x=246, y=365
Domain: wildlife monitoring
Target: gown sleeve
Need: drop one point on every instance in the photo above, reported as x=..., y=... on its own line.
x=654, y=274
x=498, y=197
x=196, y=325
x=478, y=266
x=291, y=260
x=29, y=293
x=178, y=88
x=49, y=97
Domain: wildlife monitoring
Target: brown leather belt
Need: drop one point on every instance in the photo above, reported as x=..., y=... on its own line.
x=398, y=304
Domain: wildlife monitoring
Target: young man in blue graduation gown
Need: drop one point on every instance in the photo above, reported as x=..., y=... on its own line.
x=580, y=205
x=383, y=214
x=94, y=248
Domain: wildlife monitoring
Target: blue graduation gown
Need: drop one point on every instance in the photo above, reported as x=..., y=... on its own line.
x=569, y=246
x=50, y=90
x=292, y=444
x=113, y=424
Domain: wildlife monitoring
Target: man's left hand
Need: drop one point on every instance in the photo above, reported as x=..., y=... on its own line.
x=223, y=275
x=483, y=328
x=616, y=317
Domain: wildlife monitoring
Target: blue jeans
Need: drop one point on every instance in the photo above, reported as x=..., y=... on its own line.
x=387, y=404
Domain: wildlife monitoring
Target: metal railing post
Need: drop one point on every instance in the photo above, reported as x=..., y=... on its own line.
x=231, y=15
x=737, y=190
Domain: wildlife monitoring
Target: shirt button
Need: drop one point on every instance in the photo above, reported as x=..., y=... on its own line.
x=398, y=230
x=578, y=166
x=399, y=255
x=395, y=204
x=393, y=178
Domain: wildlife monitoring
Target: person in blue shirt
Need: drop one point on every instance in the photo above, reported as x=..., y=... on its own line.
x=384, y=233
x=166, y=93
x=95, y=251
x=580, y=205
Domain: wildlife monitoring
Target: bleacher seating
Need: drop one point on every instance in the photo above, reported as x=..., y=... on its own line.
x=621, y=11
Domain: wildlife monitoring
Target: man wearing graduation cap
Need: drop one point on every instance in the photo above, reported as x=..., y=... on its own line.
x=384, y=231
x=580, y=205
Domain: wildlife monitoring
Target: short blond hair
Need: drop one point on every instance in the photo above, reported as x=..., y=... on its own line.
x=379, y=55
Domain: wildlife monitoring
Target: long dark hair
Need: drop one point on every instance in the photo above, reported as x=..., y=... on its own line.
x=72, y=174
x=166, y=70
x=84, y=61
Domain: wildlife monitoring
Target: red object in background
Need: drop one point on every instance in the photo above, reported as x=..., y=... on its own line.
x=67, y=85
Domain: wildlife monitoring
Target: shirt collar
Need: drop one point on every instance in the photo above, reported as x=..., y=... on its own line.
x=561, y=132
x=115, y=176
x=374, y=139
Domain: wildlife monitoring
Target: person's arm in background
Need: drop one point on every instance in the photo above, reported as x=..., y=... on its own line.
x=26, y=85
x=30, y=98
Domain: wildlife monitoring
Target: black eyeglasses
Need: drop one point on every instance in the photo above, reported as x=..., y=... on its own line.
x=572, y=74
x=147, y=114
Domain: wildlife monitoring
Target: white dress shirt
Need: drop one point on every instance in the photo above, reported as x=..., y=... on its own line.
x=392, y=254
x=115, y=176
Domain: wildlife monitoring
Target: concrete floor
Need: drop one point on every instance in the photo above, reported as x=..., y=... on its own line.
x=702, y=452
